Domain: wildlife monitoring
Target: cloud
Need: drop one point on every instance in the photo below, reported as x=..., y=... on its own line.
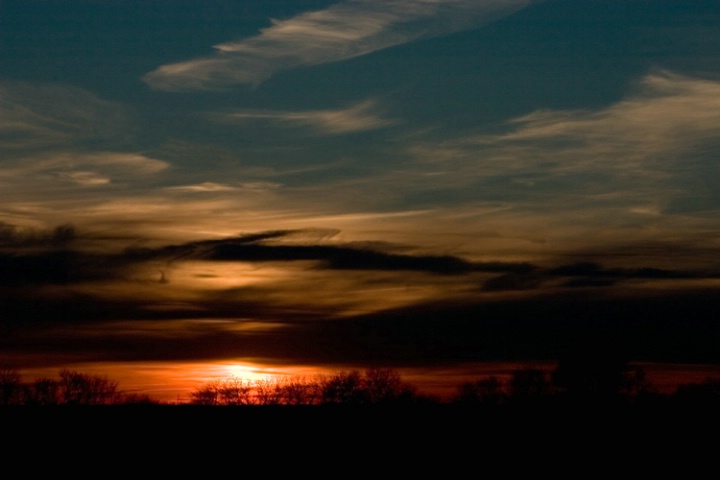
x=78, y=186
x=86, y=169
x=50, y=261
x=342, y=31
x=40, y=116
x=88, y=179
x=204, y=187
x=632, y=165
x=356, y=118
x=670, y=116
x=294, y=294
x=640, y=170
x=253, y=248
x=61, y=143
x=107, y=305
x=15, y=236
x=647, y=134
x=46, y=257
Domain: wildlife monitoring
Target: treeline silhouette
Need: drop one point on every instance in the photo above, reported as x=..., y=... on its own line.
x=567, y=384
x=374, y=386
x=71, y=388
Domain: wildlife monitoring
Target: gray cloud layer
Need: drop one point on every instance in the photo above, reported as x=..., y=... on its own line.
x=95, y=307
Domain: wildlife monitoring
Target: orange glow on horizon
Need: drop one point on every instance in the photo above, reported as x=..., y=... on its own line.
x=175, y=382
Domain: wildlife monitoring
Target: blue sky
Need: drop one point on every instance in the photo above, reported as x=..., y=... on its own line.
x=328, y=159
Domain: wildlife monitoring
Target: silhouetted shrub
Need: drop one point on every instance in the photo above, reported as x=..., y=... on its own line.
x=488, y=391
x=529, y=385
x=78, y=388
x=297, y=391
x=345, y=388
x=705, y=393
x=591, y=375
x=375, y=386
x=11, y=391
x=44, y=391
x=205, y=395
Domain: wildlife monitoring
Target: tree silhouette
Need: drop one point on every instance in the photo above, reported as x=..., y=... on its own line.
x=269, y=392
x=345, y=388
x=601, y=375
x=636, y=385
x=234, y=391
x=486, y=392
x=135, y=399
x=44, y=391
x=384, y=386
x=593, y=379
x=78, y=388
x=297, y=391
x=373, y=387
x=529, y=385
x=205, y=395
x=11, y=391
x=704, y=393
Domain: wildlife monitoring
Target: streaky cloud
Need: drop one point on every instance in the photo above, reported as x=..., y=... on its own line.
x=38, y=116
x=253, y=248
x=203, y=187
x=89, y=169
x=32, y=257
x=670, y=115
x=667, y=116
x=215, y=187
x=642, y=157
x=356, y=118
x=342, y=31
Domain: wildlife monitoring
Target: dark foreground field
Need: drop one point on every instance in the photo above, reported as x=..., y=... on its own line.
x=428, y=441
x=345, y=420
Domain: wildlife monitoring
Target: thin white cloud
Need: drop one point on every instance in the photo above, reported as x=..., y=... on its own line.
x=211, y=187
x=344, y=30
x=356, y=118
x=89, y=179
x=203, y=187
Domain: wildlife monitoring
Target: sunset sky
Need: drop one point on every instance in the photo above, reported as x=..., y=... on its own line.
x=205, y=188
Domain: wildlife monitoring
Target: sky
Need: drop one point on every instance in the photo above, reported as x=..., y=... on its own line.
x=205, y=188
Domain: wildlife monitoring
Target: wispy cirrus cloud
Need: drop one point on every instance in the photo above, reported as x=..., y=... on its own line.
x=204, y=187
x=671, y=115
x=344, y=30
x=78, y=169
x=356, y=118
x=659, y=139
x=73, y=185
x=65, y=148
x=639, y=170
x=214, y=187
x=43, y=115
